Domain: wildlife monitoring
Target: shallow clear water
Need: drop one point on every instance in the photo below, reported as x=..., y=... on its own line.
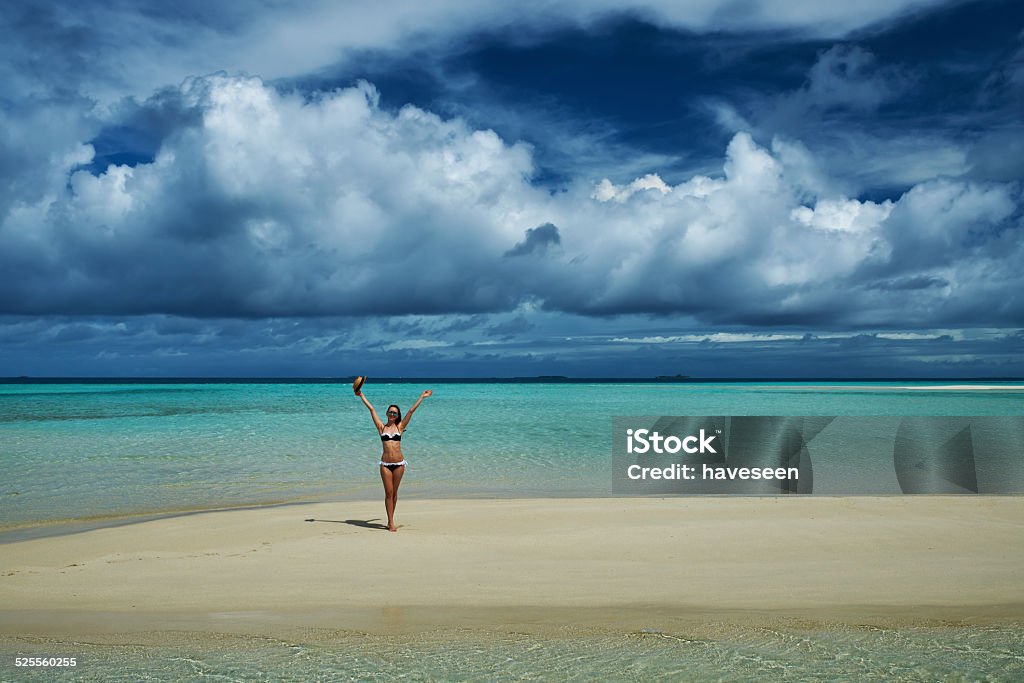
x=713, y=653
x=74, y=451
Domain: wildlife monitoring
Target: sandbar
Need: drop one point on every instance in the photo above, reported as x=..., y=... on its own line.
x=495, y=563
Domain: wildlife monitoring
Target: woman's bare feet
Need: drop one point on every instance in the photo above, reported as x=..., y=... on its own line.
x=392, y=527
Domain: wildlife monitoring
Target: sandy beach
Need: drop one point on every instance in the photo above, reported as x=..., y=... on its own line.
x=527, y=563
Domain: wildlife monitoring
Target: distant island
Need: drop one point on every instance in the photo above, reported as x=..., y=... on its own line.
x=671, y=378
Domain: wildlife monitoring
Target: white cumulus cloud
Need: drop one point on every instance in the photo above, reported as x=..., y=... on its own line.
x=263, y=203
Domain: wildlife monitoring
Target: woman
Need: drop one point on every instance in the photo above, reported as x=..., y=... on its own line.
x=392, y=463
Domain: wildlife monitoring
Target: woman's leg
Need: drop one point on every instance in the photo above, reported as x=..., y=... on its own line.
x=396, y=478
x=388, y=477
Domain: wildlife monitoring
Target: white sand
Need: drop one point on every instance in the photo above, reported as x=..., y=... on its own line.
x=499, y=561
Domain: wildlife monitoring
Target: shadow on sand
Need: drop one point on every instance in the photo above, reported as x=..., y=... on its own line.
x=364, y=523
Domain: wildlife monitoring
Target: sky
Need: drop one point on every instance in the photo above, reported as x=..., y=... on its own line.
x=741, y=188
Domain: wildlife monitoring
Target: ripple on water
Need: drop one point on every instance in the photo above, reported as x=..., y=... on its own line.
x=716, y=652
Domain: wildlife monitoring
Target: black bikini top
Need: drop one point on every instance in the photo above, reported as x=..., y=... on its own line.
x=391, y=437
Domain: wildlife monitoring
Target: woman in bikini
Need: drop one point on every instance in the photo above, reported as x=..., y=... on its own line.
x=392, y=463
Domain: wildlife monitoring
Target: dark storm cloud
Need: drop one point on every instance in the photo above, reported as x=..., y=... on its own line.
x=537, y=240
x=509, y=328
x=911, y=282
x=134, y=131
x=431, y=326
x=765, y=164
x=75, y=333
x=885, y=107
x=339, y=348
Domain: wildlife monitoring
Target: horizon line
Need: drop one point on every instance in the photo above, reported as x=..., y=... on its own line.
x=31, y=379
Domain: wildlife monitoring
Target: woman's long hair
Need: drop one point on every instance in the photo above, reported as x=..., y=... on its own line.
x=398, y=420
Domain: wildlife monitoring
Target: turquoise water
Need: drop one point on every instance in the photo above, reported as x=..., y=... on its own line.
x=712, y=653
x=77, y=451
x=80, y=451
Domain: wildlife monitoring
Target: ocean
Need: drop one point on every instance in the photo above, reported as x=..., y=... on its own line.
x=708, y=652
x=78, y=455
x=96, y=453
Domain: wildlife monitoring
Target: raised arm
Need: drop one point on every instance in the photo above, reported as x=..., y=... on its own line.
x=408, y=415
x=373, y=413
